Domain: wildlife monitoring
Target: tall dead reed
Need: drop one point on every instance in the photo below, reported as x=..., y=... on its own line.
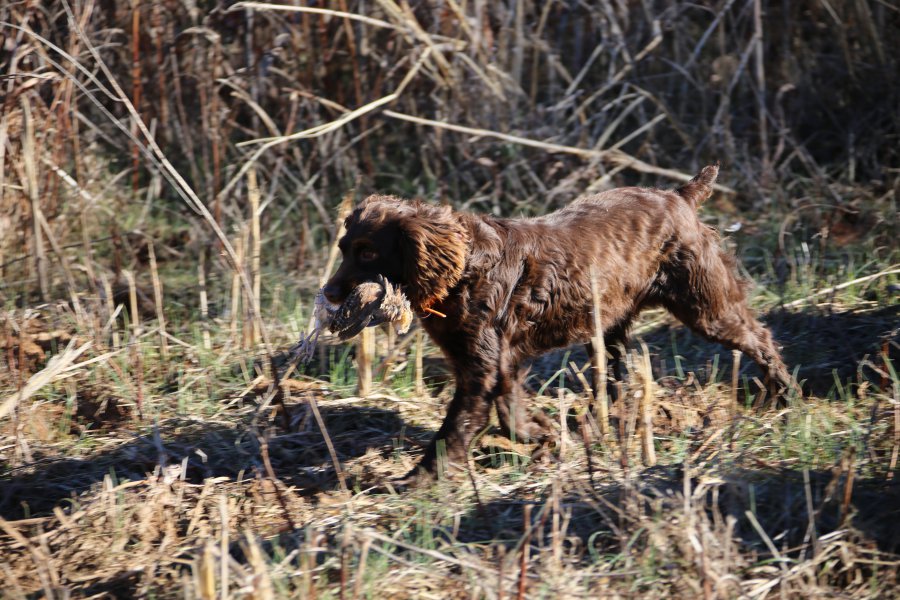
x=630, y=86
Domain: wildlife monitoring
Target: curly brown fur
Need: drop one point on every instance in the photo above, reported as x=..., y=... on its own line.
x=512, y=289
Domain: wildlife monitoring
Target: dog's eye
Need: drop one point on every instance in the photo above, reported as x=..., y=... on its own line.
x=367, y=255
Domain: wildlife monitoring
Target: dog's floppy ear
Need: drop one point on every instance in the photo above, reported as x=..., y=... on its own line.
x=434, y=245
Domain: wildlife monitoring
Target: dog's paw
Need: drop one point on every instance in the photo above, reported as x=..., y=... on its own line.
x=417, y=478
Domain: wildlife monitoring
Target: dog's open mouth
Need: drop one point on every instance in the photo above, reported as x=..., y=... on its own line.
x=369, y=304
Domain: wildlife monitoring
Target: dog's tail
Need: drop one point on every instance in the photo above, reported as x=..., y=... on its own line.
x=699, y=188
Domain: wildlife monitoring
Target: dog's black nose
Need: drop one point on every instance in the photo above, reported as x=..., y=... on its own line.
x=332, y=292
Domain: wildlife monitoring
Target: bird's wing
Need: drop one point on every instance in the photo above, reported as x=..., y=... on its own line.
x=358, y=310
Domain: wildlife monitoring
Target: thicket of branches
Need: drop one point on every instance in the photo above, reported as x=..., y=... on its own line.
x=605, y=92
x=165, y=163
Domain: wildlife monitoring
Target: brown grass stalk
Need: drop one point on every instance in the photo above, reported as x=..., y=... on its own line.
x=601, y=406
x=339, y=472
x=648, y=407
x=223, y=547
x=767, y=541
x=134, y=313
x=556, y=526
x=273, y=479
x=365, y=357
x=895, y=448
x=848, y=467
x=760, y=74
x=307, y=566
x=158, y=24
x=205, y=573
x=110, y=311
x=63, y=263
x=204, y=303
x=135, y=91
x=255, y=251
x=735, y=380
x=136, y=358
x=236, y=287
x=246, y=293
x=360, y=574
x=30, y=184
x=563, y=427
x=812, y=533
x=261, y=582
x=525, y=547
x=158, y=301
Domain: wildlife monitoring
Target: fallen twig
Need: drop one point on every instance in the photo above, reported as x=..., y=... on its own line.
x=57, y=366
x=835, y=288
x=616, y=157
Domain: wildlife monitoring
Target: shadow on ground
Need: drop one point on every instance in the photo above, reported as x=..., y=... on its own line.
x=827, y=345
x=603, y=520
x=823, y=347
x=230, y=450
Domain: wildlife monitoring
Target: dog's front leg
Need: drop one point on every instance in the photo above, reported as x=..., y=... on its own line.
x=468, y=412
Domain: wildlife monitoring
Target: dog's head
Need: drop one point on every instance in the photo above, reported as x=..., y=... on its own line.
x=415, y=245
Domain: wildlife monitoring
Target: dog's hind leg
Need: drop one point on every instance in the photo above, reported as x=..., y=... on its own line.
x=713, y=302
x=736, y=328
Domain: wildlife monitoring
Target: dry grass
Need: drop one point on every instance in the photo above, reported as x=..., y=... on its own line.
x=171, y=178
x=795, y=503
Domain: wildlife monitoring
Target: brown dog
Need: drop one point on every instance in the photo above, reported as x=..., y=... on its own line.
x=512, y=289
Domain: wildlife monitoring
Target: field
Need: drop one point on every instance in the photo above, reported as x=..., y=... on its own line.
x=173, y=179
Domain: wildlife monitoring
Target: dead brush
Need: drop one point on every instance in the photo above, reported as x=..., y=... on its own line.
x=252, y=121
